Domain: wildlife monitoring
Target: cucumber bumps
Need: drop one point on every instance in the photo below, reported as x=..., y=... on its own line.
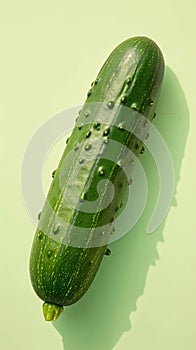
x=78, y=216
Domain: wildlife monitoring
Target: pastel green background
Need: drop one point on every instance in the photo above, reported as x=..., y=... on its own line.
x=143, y=297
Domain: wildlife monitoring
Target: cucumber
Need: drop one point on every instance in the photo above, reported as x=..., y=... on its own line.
x=70, y=242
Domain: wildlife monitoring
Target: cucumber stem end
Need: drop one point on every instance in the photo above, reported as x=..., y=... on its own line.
x=51, y=311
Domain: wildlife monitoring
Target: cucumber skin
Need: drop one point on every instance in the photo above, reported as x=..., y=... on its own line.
x=61, y=274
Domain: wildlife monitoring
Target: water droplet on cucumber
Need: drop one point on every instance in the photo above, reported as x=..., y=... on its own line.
x=134, y=106
x=97, y=125
x=110, y=104
x=88, y=134
x=80, y=126
x=128, y=81
x=82, y=197
x=81, y=161
x=106, y=139
x=89, y=93
x=101, y=171
x=142, y=150
x=121, y=126
x=106, y=132
x=56, y=229
x=87, y=147
x=40, y=235
x=151, y=102
x=95, y=82
x=123, y=99
x=53, y=173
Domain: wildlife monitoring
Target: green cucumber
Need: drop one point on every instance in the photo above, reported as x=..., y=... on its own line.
x=64, y=259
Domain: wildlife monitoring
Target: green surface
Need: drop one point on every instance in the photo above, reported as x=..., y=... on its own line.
x=50, y=53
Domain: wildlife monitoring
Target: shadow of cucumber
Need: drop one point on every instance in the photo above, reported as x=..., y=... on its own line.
x=100, y=318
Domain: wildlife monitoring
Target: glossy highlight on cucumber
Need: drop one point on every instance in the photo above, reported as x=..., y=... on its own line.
x=62, y=270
